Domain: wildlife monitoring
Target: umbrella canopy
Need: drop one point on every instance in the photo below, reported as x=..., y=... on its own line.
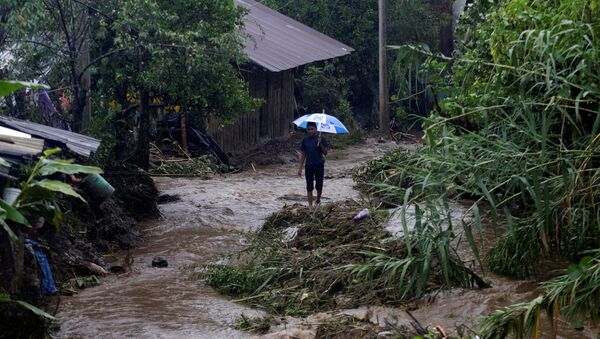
x=325, y=123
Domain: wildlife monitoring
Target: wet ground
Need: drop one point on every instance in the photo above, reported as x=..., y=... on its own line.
x=163, y=303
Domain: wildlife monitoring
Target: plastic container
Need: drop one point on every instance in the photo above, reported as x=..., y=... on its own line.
x=10, y=194
x=97, y=187
x=361, y=215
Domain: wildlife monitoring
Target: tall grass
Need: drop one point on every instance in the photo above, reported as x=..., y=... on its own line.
x=518, y=135
x=429, y=257
x=576, y=295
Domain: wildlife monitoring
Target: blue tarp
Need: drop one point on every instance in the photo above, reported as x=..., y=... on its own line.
x=47, y=285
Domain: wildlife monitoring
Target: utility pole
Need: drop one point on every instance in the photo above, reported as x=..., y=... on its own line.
x=384, y=112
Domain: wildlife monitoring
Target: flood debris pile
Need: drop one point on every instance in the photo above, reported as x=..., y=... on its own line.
x=135, y=191
x=260, y=325
x=307, y=260
x=392, y=169
x=345, y=326
x=204, y=167
x=342, y=326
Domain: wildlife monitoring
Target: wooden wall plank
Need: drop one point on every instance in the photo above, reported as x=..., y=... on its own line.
x=273, y=119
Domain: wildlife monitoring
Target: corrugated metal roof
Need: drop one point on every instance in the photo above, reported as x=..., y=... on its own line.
x=77, y=143
x=13, y=133
x=10, y=144
x=277, y=42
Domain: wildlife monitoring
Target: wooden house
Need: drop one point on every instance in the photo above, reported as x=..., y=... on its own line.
x=276, y=46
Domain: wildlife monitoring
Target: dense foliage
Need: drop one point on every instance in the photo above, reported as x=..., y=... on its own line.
x=179, y=52
x=355, y=23
x=518, y=133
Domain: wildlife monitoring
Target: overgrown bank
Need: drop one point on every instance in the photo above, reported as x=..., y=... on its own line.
x=73, y=230
x=517, y=133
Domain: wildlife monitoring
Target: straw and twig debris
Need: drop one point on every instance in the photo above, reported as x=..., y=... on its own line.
x=306, y=260
x=184, y=165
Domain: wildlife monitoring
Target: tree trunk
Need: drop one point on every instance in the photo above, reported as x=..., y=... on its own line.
x=142, y=149
x=143, y=131
x=20, y=107
x=83, y=71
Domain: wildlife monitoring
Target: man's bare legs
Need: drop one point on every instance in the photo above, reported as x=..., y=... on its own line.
x=309, y=196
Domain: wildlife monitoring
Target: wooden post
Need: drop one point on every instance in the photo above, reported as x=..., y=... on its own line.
x=183, y=125
x=384, y=113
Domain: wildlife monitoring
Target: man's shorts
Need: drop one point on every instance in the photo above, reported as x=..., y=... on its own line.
x=314, y=173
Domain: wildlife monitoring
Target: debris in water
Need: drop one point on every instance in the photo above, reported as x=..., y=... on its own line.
x=289, y=234
x=159, y=262
x=167, y=198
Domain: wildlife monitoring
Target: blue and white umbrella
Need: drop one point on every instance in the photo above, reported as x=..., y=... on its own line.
x=325, y=123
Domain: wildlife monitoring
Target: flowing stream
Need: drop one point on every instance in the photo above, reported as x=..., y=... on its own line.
x=152, y=302
x=149, y=302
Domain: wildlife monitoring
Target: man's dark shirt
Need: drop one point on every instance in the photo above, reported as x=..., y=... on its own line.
x=312, y=151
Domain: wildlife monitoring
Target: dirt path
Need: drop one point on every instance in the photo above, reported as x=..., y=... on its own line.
x=162, y=302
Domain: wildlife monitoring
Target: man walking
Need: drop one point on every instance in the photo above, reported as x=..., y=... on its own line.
x=313, y=148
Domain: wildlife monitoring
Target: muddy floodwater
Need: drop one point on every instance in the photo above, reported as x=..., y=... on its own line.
x=149, y=302
x=162, y=302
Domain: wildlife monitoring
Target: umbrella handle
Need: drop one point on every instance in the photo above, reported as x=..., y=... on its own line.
x=319, y=140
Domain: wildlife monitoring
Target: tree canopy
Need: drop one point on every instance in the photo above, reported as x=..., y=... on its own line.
x=182, y=51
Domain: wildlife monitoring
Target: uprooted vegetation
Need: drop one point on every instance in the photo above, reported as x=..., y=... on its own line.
x=307, y=260
x=205, y=167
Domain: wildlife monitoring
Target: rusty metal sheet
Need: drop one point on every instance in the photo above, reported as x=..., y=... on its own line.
x=277, y=42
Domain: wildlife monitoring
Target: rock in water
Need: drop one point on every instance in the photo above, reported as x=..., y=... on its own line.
x=159, y=262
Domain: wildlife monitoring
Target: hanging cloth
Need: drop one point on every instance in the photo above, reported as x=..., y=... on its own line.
x=47, y=285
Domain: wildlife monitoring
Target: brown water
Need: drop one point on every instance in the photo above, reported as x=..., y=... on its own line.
x=163, y=303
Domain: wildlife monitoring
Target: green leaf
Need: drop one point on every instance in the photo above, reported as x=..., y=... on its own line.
x=12, y=213
x=34, y=309
x=11, y=234
x=58, y=186
x=472, y=243
x=56, y=216
x=52, y=151
x=9, y=86
x=53, y=166
x=5, y=298
x=491, y=201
